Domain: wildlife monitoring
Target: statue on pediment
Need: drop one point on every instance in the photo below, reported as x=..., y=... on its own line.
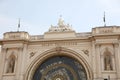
x=61, y=22
x=61, y=27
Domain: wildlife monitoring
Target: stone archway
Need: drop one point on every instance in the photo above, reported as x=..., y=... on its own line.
x=62, y=66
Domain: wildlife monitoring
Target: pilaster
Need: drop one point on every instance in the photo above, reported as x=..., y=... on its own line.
x=19, y=60
x=93, y=60
x=23, y=57
x=98, y=65
x=2, y=62
x=117, y=59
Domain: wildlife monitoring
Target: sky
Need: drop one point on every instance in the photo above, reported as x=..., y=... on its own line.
x=36, y=16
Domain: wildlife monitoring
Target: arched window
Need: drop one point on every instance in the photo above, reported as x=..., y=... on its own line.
x=107, y=60
x=11, y=64
x=60, y=68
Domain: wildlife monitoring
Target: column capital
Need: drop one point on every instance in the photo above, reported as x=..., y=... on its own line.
x=115, y=44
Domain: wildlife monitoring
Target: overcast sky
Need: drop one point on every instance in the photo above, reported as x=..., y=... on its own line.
x=37, y=15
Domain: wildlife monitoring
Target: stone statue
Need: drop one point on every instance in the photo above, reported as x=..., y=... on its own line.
x=61, y=27
x=107, y=61
x=61, y=22
x=11, y=66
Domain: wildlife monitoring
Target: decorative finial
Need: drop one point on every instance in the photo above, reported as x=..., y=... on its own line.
x=104, y=20
x=18, y=25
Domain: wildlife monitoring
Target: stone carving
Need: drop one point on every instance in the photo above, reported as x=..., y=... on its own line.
x=85, y=52
x=61, y=22
x=62, y=27
x=107, y=60
x=60, y=43
x=11, y=65
x=106, y=30
x=32, y=54
x=58, y=49
x=16, y=35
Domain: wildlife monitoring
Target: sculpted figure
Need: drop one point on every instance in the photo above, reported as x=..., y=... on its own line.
x=61, y=22
x=107, y=61
x=11, y=65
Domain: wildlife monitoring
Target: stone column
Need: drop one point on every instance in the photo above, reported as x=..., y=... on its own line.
x=18, y=63
x=117, y=59
x=94, y=61
x=2, y=62
x=23, y=57
x=98, y=63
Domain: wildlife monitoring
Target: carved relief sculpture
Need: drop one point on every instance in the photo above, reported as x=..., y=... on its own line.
x=85, y=52
x=32, y=54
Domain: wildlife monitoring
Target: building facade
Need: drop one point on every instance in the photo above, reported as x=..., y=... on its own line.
x=61, y=54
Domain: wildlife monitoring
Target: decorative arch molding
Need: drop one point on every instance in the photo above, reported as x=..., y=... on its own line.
x=11, y=52
x=58, y=51
x=107, y=48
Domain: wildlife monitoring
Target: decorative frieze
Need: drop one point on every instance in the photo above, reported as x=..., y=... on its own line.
x=108, y=29
x=59, y=44
x=16, y=35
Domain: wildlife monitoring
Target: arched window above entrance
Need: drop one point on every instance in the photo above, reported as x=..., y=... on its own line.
x=60, y=68
x=59, y=52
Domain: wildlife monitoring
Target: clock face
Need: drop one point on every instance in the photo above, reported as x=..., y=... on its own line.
x=60, y=68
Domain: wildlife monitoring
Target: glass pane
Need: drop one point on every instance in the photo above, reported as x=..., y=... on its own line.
x=60, y=68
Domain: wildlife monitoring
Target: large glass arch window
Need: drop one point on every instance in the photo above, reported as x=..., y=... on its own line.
x=60, y=68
